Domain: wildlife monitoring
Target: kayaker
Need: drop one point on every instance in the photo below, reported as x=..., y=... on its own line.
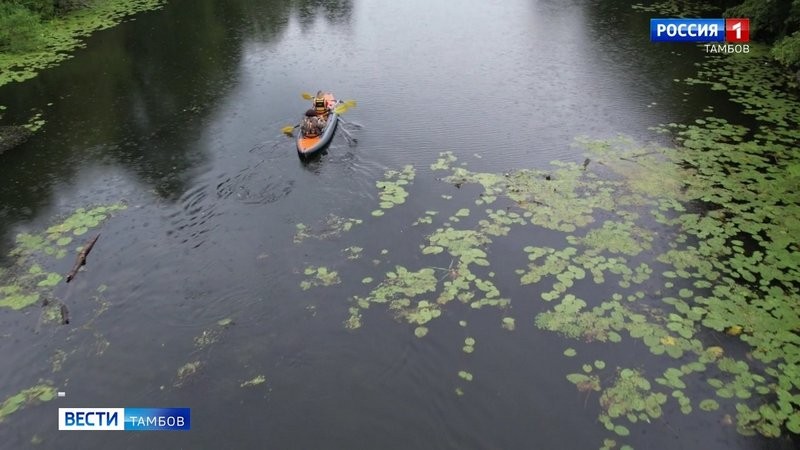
x=312, y=124
x=320, y=105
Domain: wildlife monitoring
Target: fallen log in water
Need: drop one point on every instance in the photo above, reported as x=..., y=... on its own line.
x=81, y=259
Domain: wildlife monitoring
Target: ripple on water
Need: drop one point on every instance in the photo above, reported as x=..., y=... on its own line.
x=192, y=221
x=252, y=185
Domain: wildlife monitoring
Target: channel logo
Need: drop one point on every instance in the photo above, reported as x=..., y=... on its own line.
x=737, y=30
x=124, y=419
x=700, y=30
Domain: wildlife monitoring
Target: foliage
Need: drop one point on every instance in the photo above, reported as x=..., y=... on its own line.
x=630, y=397
x=28, y=44
x=319, y=276
x=331, y=227
x=768, y=19
x=787, y=50
x=20, y=28
x=28, y=281
x=26, y=397
x=391, y=189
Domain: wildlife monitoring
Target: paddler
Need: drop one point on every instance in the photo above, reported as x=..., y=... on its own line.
x=320, y=104
x=313, y=124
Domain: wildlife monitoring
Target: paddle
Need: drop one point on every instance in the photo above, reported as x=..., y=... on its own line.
x=344, y=106
x=340, y=109
x=288, y=129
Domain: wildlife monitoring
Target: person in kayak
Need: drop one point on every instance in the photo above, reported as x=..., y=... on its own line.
x=320, y=105
x=313, y=124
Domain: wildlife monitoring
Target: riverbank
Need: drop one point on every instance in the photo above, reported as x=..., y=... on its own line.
x=26, y=54
x=33, y=40
x=774, y=24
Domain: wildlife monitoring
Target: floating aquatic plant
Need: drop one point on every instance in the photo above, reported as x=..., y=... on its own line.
x=319, y=276
x=26, y=397
x=186, y=371
x=255, y=381
x=353, y=252
x=630, y=397
x=725, y=258
x=446, y=159
x=27, y=282
x=391, y=190
x=331, y=227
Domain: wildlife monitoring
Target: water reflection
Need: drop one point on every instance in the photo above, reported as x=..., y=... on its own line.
x=335, y=12
x=138, y=98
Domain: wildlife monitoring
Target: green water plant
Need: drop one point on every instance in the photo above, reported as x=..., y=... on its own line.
x=52, y=41
x=28, y=281
x=255, y=381
x=36, y=394
x=391, y=189
x=330, y=227
x=186, y=371
x=319, y=276
x=691, y=248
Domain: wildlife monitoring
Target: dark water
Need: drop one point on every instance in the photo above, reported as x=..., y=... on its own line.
x=178, y=113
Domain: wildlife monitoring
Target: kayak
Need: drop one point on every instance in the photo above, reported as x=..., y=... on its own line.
x=311, y=146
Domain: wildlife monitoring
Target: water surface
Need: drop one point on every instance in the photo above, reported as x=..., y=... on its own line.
x=178, y=113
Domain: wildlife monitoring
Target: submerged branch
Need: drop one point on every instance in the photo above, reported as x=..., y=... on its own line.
x=81, y=259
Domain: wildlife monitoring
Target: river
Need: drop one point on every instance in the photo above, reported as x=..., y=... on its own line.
x=177, y=116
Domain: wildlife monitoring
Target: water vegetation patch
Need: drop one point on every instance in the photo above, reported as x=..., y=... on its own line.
x=186, y=372
x=43, y=45
x=329, y=228
x=255, y=381
x=211, y=335
x=30, y=396
x=27, y=281
x=353, y=252
x=693, y=249
x=391, y=190
x=319, y=276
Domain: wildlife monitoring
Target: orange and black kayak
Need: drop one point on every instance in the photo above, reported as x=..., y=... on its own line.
x=310, y=146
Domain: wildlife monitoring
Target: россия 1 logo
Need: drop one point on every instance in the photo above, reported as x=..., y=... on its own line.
x=735, y=33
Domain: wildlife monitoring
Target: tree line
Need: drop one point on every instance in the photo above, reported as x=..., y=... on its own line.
x=776, y=22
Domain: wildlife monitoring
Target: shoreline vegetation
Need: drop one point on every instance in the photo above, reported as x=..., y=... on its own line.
x=774, y=23
x=37, y=34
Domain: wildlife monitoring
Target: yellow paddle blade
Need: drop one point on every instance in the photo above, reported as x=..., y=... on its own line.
x=287, y=129
x=344, y=106
x=307, y=96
